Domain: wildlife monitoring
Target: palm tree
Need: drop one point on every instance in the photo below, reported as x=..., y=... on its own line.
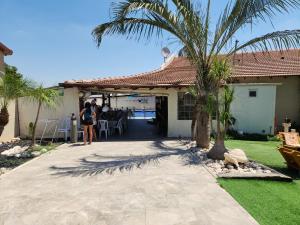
x=43, y=96
x=192, y=27
x=12, y=86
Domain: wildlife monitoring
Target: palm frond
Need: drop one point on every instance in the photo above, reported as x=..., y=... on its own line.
x=246, y=12
x=278, y=40
x=12, y=86
x=46, y=96
x=131, y=27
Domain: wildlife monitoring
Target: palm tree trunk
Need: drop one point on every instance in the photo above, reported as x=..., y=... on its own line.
x=194, y=123
x=33, y=142
x=218, y=150
x=203, y=123
x=4, y=118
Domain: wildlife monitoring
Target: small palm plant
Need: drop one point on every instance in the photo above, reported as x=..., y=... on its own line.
x=44, y=97
x=12, y=86
x=219, y=102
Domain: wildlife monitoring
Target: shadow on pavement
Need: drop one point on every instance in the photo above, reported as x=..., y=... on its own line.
x=110, y=164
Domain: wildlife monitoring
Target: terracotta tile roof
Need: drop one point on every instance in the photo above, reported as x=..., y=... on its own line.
x=5, y=49
x=179, y=72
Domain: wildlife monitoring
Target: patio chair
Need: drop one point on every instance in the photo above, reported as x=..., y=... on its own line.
x=111, y=125
x=80, y=131
x=119, y=126
x=103, y=127
x=65, y=127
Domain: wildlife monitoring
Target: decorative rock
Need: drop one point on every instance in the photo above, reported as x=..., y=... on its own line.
x=209, y=161
x=16, y=139
x=235, y=156
x=222, y=163
x=13, y=151
x=267, y=171
x=230, y=167
x=25, y=155
x=225, y=170
x=219, y=170
x=36, y=153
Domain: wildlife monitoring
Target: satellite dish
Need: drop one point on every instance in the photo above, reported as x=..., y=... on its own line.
x=165, y=52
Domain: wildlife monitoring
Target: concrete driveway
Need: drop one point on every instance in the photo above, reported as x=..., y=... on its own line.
x=83, y=185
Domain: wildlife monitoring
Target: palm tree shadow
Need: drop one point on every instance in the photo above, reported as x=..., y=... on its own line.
x=110, y=164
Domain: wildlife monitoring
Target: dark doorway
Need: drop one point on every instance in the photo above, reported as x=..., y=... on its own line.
x=162, y=115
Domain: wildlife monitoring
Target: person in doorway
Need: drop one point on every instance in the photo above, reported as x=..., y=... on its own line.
x=87, y=117
x=94, y=109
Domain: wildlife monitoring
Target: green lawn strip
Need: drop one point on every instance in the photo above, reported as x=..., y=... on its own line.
x=44, y=148
x=269, y=202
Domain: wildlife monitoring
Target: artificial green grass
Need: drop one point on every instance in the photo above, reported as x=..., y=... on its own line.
x=269, y=202
x=45, y=148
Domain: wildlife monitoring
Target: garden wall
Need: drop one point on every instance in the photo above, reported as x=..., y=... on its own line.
x=68, y=103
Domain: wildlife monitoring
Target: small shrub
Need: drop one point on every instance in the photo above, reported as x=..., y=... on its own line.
x=233, y=134
x=273, y=138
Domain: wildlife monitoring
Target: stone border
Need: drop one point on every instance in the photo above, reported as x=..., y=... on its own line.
x=273, y=175
x=249, y=170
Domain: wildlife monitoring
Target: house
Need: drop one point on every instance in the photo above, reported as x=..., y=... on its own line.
x=4, y=51
x=267, y=91
x=10, y=129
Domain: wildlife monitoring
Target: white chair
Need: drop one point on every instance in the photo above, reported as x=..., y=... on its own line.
x=80, y=131
x=103, y=127
x=111, y=125
x=65, y=127
x=119, y=126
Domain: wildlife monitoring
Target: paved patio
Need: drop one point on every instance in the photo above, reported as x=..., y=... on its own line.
x=83, y=185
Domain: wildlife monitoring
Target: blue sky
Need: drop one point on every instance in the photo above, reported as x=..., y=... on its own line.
x=52, y=40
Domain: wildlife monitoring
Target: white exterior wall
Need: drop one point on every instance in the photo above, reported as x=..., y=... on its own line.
x=67, y=104
x=287, y=97
x=254, y=114
x=176, y=128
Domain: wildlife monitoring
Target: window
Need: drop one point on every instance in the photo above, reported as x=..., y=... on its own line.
x=185, y=105
x=252, y=93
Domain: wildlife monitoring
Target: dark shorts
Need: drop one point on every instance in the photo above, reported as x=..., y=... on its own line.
x=87, y=122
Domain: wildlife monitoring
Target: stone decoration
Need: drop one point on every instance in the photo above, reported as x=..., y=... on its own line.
x=235, y=157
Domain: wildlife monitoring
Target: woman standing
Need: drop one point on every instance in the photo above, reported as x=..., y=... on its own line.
x=94, y=109
x=87, y=117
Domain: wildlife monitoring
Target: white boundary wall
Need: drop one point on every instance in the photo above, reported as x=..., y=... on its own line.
x=67, y=104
